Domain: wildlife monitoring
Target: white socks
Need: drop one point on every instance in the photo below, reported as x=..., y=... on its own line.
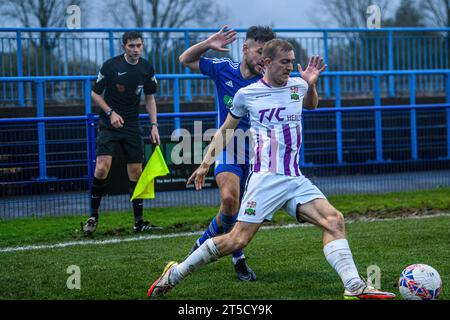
x=340, y=257
x=336, y=252
x=206, y=253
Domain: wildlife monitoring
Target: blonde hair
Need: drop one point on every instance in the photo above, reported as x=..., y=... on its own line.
x=272, y=47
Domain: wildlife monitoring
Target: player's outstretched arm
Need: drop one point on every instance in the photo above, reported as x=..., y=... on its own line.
x=311, y=75
x=217, y=42
x=219, y=141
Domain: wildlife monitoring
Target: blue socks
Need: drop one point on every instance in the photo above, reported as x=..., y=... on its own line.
x=227, y=224
x=214, y=230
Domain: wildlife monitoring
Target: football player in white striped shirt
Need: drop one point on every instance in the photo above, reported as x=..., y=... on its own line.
x=274, y=105
x=232, y=167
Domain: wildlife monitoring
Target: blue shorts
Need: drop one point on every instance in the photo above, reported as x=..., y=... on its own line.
x=241, y=170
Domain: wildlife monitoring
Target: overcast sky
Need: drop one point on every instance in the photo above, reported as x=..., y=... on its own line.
x=279, y=13
x=238, y=14
x=244, y=13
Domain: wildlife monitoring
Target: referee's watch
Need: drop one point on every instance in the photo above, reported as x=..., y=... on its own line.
x=108, y=113
x=153, y=124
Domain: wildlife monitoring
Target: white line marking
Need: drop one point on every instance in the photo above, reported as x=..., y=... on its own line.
x=188, y=234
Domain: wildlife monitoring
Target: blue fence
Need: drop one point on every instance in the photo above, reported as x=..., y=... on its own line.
x=70, y=52
x=344, y=146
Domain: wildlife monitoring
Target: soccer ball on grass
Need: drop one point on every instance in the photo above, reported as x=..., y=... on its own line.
x=420, y=282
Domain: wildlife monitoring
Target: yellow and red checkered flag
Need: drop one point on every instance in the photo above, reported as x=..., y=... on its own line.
x=156, y=167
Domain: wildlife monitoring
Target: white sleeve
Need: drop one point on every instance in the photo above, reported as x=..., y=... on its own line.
x=302, y=84
x=239, y=110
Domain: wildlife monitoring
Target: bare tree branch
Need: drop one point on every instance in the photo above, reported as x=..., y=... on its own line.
x=138, y=14
x=437, y=12
x=353, y=13
x=38, y=13
x=163, y=13
x=155, y=16
x=408, y=14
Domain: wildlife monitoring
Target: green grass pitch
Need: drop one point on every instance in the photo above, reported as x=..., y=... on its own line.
x=289, y=263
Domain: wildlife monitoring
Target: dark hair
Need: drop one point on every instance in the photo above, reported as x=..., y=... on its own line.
x=260, y=33
x=131, y=35
x=272, y=47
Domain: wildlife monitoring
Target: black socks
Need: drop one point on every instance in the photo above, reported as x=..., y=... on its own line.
x=98, y=188
x=137, y=204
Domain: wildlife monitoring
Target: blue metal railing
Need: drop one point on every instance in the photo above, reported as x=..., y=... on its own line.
x=339, y=78
x=47, y=155
x=86, y=81
x=89, y=121
x=82, y=51
x=338, y=110
x=339, y=152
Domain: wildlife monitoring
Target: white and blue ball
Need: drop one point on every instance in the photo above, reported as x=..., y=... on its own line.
x=420, y=282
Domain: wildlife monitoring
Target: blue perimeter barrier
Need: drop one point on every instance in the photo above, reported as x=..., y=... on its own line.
x=341, y=137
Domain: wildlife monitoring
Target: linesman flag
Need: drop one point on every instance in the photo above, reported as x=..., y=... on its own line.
x=156, y=167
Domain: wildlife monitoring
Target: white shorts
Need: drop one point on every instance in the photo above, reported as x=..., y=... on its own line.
x=267, y=192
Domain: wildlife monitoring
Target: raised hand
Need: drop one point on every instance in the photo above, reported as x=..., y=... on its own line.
x=219, y=40
x=313, y=70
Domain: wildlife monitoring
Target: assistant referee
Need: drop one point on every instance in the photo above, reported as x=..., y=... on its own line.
x=117, y=91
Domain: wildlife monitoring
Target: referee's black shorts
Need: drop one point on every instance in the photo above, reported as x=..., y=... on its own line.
x=129, y=138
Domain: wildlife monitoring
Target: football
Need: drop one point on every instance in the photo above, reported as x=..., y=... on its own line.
x=420, y=282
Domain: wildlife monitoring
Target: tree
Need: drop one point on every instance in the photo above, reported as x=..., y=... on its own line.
x=408, y=14
x=165, y=14
x=352, y=13
x=38, y=14
x=437, y=12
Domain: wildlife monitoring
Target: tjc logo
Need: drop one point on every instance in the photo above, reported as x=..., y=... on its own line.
x=273, y=112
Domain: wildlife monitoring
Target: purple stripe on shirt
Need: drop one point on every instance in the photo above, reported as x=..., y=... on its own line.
x=272, y=150
x=257, y=166
x=299, y=143
x=287, y=152
x=269, y=135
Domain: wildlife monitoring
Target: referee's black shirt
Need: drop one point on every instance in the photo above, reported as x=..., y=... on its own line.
x=122, y=84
